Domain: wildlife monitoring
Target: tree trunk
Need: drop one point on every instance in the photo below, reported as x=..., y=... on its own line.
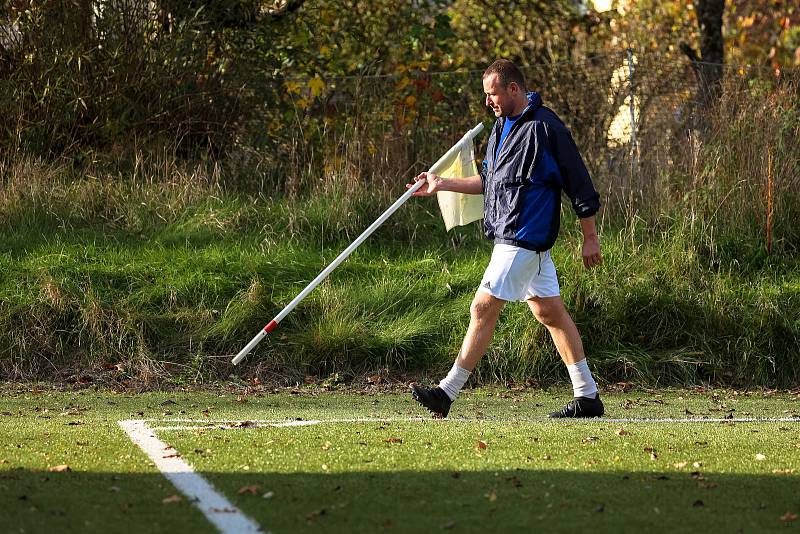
x=708, y=66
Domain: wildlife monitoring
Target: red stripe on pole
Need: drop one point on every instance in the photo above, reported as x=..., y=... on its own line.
x=270, y=327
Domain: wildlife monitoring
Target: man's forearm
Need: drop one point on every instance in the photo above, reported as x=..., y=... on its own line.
x=588, y=227
x=470, y=185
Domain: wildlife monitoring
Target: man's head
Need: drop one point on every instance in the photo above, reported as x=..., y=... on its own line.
x=504, y=86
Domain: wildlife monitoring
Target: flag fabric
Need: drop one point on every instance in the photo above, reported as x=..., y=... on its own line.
x=459, y=209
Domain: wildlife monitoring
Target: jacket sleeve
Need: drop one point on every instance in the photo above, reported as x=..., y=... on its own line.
x=577, y=183
x=483, y=172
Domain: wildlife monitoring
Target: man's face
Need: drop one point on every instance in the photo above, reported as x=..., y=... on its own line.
x=501, y=99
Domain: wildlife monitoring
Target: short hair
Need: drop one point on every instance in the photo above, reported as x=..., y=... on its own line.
x=506, y=72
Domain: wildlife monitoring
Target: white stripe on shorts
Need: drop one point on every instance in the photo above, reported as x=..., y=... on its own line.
x=517, y=274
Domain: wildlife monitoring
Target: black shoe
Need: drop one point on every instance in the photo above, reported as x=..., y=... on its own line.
x=581, y=407
x=434, y=399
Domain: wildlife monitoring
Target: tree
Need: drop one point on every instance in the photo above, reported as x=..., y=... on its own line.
x=708, y=65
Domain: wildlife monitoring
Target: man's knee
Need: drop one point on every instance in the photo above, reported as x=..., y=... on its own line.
x=485, y=307
x=548, y=311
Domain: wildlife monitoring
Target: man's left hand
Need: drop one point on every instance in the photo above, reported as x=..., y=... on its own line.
x=591, y=251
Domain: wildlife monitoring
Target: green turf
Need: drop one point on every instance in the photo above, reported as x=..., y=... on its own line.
x=167, y=283
x=405, y=475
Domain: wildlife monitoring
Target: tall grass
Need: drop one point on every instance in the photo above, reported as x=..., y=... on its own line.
x=163, y=269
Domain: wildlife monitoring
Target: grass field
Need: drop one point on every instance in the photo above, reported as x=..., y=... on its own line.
x=369, y=461
x=165, y=281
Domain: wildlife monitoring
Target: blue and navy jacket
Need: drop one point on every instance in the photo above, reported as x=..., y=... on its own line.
x=522, y=183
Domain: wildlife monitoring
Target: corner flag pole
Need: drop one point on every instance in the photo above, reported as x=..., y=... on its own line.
x=354, y=245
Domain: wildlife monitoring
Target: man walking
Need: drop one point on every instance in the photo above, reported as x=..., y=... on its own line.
x=531, y=157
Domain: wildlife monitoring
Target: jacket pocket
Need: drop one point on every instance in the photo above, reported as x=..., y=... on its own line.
x=509, y=201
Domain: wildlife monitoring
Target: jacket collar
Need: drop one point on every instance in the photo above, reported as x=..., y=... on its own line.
x=534, y=102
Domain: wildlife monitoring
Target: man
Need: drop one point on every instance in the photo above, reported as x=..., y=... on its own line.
x=531, y=157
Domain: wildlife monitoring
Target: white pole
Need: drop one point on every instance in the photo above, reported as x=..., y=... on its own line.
x=354, y=245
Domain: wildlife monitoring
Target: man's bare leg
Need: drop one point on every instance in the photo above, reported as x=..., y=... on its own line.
x=484, y=311
x=550, y=311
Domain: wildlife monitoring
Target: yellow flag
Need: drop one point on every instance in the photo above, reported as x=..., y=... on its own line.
x=459, y=209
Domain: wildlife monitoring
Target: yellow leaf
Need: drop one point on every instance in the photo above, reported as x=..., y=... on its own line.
x=60, y=469
x=293, y=87
x=302, y=103
x=410, y=101
x=316, y=85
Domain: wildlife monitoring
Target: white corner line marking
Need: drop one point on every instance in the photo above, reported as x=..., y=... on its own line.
x=216, y=507
x=227, y=424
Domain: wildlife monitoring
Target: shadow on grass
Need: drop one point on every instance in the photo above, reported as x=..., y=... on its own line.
x=506, y=501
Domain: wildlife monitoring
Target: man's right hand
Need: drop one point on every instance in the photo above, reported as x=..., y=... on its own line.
x=434, y=183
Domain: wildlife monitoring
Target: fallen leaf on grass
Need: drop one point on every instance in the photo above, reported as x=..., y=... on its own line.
x=171, y=499
x=64, y=468
x=788, y=516
x=590, y=439
x=622, y=432
x=394, y=440
x=252, y=490
x=491, y=496
x=760, y=457
x=168, y=402
x=680, y=465
x=517, y=483
x=313, y=517
x=326, y=446
x=481, y=445
x=244, y=424
x=698, y=503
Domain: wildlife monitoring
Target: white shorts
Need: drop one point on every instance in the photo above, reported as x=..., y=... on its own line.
x=517, y=274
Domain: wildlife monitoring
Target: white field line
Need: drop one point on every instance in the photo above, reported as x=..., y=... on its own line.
x=218, y=510
x=228, y=424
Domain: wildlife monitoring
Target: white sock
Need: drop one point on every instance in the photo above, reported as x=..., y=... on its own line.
x=583, y=385
x=454, y=381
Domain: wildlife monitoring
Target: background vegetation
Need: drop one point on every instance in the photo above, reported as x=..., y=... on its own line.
x=173, y=173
